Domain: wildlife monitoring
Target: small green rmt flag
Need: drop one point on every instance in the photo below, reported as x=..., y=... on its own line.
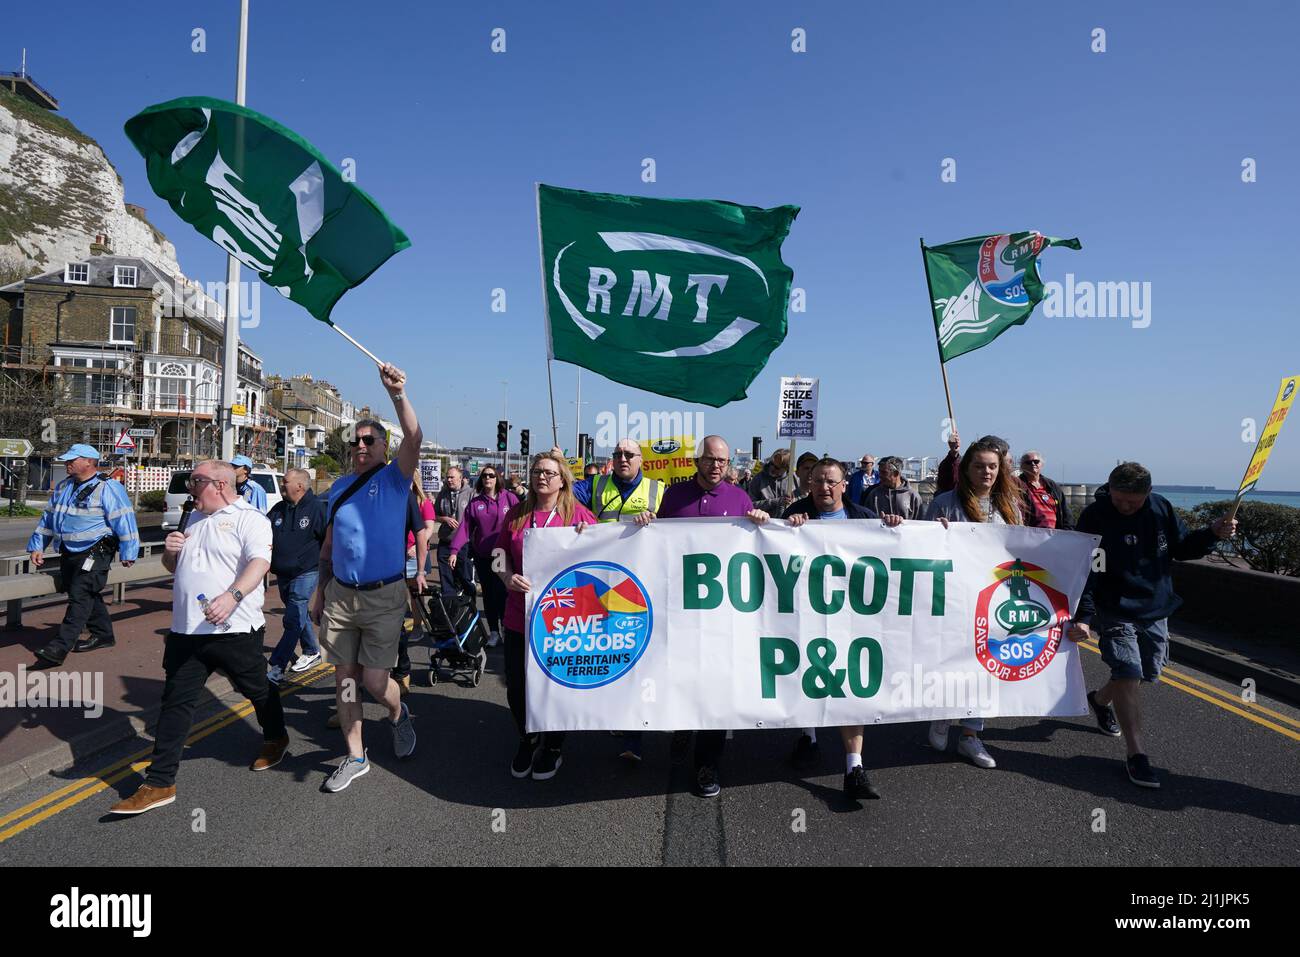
x=981, y=287
x=684, y=298
x=266, y=196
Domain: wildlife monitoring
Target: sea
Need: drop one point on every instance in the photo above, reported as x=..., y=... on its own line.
x=1186, y=497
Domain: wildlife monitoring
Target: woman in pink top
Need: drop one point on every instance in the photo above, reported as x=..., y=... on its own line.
x=548, y=504
x=484, y=516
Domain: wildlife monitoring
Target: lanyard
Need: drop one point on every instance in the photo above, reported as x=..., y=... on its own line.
x=532, y=519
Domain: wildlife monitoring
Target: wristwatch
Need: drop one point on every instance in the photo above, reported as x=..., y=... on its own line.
x=239, y=595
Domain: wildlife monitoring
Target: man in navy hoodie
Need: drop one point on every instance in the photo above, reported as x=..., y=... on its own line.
x=1126, y=603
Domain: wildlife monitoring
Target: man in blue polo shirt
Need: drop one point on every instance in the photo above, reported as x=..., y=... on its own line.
x=361, y=601
x=245, y=487
x=708, y=496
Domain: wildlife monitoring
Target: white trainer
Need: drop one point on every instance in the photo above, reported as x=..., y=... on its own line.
x=939, y=735
x=972, y=749
x=305, y=661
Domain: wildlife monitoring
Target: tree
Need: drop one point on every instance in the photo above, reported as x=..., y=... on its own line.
x=336, y=445
x=1268, y=535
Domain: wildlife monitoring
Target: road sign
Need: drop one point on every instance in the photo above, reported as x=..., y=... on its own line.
x=140, y=433
x=15, y=448
x=124, y=443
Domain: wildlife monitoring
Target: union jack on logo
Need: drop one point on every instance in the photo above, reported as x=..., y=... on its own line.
x=559, y=598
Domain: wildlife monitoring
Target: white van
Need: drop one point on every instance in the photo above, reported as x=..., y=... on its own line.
x=177, y=493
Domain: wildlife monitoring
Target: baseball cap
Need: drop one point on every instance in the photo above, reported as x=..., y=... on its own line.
x=79, y=451
x=242, y=460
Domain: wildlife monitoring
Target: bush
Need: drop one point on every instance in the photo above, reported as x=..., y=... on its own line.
x=1268, y=535
x=326, y=462
x=153, y=501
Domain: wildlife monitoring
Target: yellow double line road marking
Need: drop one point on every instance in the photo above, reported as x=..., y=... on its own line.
x=76, y=792
x=1247, y=709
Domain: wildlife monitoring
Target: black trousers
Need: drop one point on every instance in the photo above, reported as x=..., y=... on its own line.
x=464, y=569
x=188, y=660
x=516, y=668
x=86, y=608
x=708, y=745
x=494, y=591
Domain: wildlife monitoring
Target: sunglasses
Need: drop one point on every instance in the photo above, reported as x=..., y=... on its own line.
x=624, y=454
x=198, y=481
x=1032, y=462
x=368, y=439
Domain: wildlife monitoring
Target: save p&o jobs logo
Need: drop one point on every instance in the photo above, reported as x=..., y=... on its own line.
x=1022, y=634
x=591, y=625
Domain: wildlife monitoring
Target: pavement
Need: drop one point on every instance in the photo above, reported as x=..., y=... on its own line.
x=1231, y=792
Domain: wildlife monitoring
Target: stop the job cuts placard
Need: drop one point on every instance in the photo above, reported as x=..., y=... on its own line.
x=796, y=413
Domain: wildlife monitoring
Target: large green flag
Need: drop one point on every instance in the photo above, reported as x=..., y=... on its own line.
x=266, y=196
x=685, y=298
x=981, y=287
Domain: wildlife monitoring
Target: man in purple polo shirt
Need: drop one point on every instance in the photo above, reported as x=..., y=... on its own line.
x=708, y=496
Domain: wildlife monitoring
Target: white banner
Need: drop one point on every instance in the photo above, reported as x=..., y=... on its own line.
x=718, y=623
x=796, y=410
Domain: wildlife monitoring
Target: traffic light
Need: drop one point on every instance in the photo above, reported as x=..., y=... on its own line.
x=581, y=451
x=523, y=442
x=503, y=427
x=281, y=435
x=589, y=450
x=758, y=448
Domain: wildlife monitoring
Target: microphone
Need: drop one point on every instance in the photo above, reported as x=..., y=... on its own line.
x=187, y=509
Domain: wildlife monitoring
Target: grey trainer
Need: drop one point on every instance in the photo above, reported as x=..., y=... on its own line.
x=404, y=734
x=348, y=771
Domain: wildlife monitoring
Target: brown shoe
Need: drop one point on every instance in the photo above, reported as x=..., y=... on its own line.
x=403, y=686
x=333, y=721
x=145, y=799
x=272, y=753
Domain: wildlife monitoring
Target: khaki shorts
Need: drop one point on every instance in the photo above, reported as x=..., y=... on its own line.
x=363, y=627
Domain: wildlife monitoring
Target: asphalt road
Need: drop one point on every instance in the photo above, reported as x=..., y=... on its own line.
x=1231, y=796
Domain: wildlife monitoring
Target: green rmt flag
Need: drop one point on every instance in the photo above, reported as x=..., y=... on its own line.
x=266, y=196
x=981, y=287
x=685, y=298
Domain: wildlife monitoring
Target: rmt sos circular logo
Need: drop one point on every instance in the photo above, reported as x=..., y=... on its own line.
x=1018, y=622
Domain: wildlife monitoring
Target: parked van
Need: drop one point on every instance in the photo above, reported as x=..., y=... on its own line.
x=177, y=493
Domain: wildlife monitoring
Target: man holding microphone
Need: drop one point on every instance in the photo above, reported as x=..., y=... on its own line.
x=219, y=560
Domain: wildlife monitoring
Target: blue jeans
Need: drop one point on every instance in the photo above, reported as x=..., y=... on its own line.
x=296, y=593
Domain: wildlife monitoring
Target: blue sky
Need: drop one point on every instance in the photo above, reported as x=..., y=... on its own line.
x=1137, y=151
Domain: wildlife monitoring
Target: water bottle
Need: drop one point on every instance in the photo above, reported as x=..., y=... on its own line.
x=204, y=601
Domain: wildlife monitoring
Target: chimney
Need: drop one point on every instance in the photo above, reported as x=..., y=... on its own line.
x=101, y=246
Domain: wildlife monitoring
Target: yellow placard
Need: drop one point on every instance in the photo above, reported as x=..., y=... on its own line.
x=669, y=460
x=1268, y=437
x=576, y=466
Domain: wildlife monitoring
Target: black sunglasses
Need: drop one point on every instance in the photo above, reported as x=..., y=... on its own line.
x=368, y=439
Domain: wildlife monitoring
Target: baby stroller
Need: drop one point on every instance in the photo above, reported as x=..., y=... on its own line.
x=457, y=634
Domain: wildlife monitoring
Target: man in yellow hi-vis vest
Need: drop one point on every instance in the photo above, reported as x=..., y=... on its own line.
x=625, y=495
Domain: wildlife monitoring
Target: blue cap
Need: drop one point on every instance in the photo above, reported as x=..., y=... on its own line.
x=242, y=460
x=79, y=451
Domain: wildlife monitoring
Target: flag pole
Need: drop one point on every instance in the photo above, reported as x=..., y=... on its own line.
x=230, y=347
x=378, y=361
x=943, y=369
x=546, y=311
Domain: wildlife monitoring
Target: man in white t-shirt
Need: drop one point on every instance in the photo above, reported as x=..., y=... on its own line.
x=219, y=560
